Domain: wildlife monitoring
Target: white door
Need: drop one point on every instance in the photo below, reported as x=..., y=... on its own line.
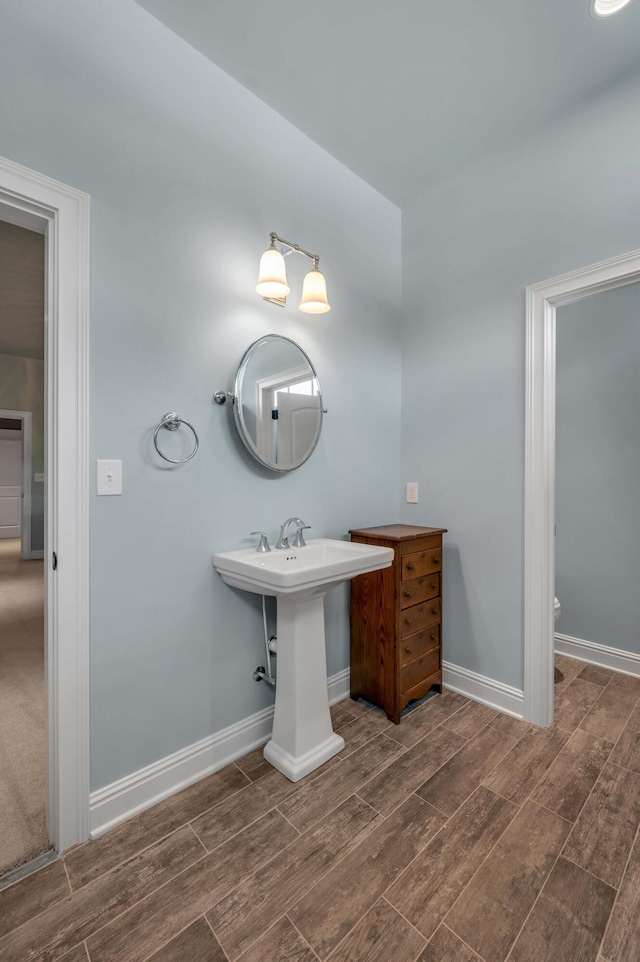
x=10, y=483
x=298, y=416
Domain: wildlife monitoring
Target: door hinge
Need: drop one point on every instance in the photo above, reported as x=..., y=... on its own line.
x=54, y=560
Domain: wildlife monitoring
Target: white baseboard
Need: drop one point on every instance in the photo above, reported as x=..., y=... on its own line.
x=487, y=691
x=149, y=785
x=338, y=686
x=626, y=662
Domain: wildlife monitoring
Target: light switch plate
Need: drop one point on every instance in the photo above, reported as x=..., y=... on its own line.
x=412, y=492
x=109, y=477
x=38, y=477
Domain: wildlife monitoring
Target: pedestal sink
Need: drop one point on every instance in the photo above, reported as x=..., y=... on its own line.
x=303, y=737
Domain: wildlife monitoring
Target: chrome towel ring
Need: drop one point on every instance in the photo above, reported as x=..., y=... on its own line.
x=171, y=422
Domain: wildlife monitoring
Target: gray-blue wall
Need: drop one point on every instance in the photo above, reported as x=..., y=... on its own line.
x=598, y=467
x=564, y=199
x=188, y=172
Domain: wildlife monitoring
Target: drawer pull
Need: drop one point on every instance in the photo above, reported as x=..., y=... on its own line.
x=434, y=611
x=436, y=561
x=433, y=637
x=434, y=587
x=408, y=594
x=408, y=650
x=411, y=566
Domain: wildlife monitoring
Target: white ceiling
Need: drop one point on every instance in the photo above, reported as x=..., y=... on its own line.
x=406, y=93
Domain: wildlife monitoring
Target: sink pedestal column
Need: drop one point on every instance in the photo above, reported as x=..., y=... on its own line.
x=303, y=736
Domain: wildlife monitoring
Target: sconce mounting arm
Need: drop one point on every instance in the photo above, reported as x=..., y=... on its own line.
x=293, y=249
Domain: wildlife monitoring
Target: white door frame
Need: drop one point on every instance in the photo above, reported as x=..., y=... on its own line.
x=30, y=199
x=25, y=500
x=540, y=466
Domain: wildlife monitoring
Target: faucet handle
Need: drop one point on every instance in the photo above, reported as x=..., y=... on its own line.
x=263, y=544
x=298, y=538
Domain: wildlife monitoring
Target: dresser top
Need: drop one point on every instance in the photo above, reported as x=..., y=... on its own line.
x=397, y=532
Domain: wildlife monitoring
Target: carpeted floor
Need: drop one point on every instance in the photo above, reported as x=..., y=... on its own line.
x=23, y=756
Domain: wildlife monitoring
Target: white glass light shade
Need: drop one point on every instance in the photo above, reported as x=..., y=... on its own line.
x=606, y=8
x=314, y=294
x=272, y=277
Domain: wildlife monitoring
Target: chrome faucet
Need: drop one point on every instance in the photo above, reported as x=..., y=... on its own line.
x=298, y=539
x=263, y=544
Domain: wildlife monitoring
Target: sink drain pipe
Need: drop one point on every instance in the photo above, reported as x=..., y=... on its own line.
x=270, y=646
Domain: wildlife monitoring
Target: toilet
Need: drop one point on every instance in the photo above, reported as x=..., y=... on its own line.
x=556, y=609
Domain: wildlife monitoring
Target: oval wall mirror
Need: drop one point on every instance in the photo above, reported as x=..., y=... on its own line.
x=278, y=403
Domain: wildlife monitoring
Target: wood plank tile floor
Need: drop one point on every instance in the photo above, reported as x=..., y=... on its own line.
x=460, y=836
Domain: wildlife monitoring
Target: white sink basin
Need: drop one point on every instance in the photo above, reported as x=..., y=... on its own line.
x=323, y=562
x=302, y=737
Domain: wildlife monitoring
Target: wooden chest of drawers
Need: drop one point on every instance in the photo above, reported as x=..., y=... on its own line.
x=396, y=618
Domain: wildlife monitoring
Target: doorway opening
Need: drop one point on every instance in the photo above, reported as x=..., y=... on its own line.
x=23, y=775
x=52, y=535
x=540, y=467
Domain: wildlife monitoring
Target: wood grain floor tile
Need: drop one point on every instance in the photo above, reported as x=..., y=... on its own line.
x=355, y=706
x=94, y=858
x=519, y=772
x=282, y=943
x=499, y=897
x=79, y=954
x=570, y=668
x=32, y=895
x=596, y=675
x=567, y=783
x=361, y=730
x=240, y=917
x=604, y=832
x=568, y=919
x=332, y=907
x=236, y=813
x=381, y=936
x=611, y=711
x=254, y=765
x=340, y=715
x=470, y=719
x=622, y=941
x=627, y=750
x=313, y=801
x=460, y=776
x=396, y=782
x=574, y=702
x=447, y=947
x=157, y=919
x=514, y=727
x=423, y=720
x=195, y=944
x=427, y=889
x=62, y=926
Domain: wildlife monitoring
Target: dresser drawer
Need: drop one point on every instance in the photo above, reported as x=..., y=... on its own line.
x=419, y=644
x=418, y=617
x=419, y=589
x=421, y=563
x=420, y=668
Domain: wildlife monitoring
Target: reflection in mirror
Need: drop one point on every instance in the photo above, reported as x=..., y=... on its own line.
x=278, y=407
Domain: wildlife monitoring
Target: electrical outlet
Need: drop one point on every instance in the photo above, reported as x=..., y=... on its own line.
x=412, y=492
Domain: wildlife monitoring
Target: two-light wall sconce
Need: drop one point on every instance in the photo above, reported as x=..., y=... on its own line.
x=272, y=279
